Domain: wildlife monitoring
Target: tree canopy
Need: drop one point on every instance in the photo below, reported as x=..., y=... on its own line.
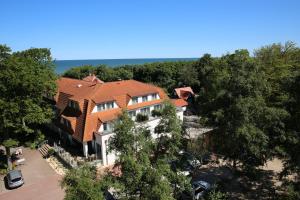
x=26, y=77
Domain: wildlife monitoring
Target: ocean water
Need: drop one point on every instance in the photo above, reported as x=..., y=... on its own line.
x=63, y=65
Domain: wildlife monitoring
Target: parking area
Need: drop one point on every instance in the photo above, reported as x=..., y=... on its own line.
x=41, y=181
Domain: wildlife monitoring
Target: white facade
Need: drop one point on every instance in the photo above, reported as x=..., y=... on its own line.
x=102, y=138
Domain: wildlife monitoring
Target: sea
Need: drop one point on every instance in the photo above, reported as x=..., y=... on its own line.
x=64, y=65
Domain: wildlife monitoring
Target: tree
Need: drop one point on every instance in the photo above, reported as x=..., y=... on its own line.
x=26, y=77
x=82, y=183
x=79, y=72
x=144, y=177
x=233, y=100
x=168, y=132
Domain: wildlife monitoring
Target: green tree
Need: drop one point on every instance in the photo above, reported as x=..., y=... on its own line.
x=142, y=176
x=233, y=100
x=169, y=133
x=82, y=183
x=26, y=77
x=80, y=72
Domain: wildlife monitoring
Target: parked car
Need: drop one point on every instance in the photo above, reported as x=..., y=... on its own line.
x=109, y=196
x=14, y=178
x=200, y=188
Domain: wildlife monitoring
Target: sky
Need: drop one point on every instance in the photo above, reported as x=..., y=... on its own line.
x=108, y=29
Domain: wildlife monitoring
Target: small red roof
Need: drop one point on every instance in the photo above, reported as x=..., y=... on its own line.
x=93, y=78
x=179, y=102
x=184, y=92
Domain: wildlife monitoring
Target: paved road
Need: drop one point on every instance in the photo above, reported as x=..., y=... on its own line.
x=41, y=181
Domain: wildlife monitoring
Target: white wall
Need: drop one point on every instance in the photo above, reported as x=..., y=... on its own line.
x=103, y=140
x=180, y=115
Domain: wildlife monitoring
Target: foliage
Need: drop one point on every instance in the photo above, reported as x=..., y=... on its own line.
x=50, y=152
x=141, y=117
x=79, y=72
x=168, y=133
x=216, y=195
x=25, y=78
x=233, y=100
x=167, y=74
x=156, y=113
x=81, y=183
x=143, y=176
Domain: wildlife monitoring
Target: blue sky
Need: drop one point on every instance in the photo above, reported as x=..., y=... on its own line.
x=86, y=29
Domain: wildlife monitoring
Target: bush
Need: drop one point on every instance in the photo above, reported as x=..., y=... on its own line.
x=50, y=152
x=216, y=195
x=156, y=113
x=141, y=117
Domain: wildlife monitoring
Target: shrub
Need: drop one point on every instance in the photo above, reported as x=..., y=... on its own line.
x=50, y=152
x=156, y=113
x=141, y=117
x=217, y=195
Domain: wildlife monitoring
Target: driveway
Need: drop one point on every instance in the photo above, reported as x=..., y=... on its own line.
x=41, y=181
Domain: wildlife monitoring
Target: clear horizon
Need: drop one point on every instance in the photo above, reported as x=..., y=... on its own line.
x=75, y=30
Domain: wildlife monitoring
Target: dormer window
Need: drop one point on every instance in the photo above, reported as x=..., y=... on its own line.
x=105, y=106
x=100, y=107
x=108, y=127
x=109, y=105
x=135, y=100
x=154, y=96
x=145, y=98
x=73, y=104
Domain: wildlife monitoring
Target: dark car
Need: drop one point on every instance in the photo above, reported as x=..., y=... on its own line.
x=14, y=178
x=200, y=188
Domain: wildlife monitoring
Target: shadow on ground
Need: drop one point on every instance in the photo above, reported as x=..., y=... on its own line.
x=260, y=184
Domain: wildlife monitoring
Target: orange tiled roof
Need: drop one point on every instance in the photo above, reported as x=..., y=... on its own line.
x=179, y=102
x=89, y=93
x=184, y=92
x=93, y=78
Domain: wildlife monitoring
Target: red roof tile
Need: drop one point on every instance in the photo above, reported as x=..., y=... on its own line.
x=88, y=94
x=179, y=102
x=184, y=92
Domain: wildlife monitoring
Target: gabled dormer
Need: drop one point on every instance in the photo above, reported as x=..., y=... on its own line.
x=143, y=98
x=105, y=106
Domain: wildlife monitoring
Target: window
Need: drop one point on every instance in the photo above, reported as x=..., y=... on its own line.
x=145, y=98
x=154, y=96
x=157, y=107
x=100, y=107
x=135, y=100
x=66, y=122
x=109, y=105
x=72, y=104
x=145, y=111
x=132, y=113
x=105, y=106
x=107, y=126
